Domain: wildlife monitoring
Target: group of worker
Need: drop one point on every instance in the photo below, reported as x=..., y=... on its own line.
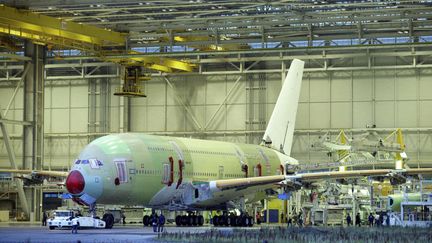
x=157, y=222
x=379, y=219
x=357, y=220
x=373, y=220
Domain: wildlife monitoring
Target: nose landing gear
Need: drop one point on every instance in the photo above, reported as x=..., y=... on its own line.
x=109, y=220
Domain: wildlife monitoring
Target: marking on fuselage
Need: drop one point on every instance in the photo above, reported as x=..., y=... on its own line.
x=94, y=164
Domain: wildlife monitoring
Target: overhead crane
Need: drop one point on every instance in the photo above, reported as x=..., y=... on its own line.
x=210, y=46
x=58, y=32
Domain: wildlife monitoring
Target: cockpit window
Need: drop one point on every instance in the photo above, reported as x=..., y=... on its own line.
x=77, y=162
x=84, y=161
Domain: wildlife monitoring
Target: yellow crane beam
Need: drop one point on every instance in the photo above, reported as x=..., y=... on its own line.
x=167, y=65
x=48, y=30
x=210, y=47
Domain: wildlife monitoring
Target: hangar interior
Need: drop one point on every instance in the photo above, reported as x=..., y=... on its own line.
x=367, y=68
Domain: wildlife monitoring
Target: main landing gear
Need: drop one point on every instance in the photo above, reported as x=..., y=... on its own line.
x=233, y=220
x=189, y=220
x=181, y=220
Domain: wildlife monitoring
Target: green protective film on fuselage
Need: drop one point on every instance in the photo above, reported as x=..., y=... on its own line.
x=204, y=161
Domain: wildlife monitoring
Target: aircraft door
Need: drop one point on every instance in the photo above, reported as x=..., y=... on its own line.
x=121, y=168
x=180, y=163
x=125, y=170
x=168, y=172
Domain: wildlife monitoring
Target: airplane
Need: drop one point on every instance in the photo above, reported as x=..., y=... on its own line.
x=193, y=175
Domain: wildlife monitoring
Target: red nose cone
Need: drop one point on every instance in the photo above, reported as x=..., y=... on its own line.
x=75, y=182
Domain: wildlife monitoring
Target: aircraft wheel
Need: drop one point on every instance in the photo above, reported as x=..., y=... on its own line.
x=221, y=221
x=194, y=220
x=200, y=220
x=189, y=220
x=233, y=221
x=216, y=220
x=184, y=220
x=251, y=223
x=225, y=220
x=178, y=220
x=109, y=220
x=238, y=221
x=146, y=220
x=244, y=221
x=52, y=227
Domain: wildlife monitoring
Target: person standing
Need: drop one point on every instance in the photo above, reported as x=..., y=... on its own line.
x=371, y=219
x=348, y=219
x=75, y=225
x=123, y=216
x=44, y=218
x=358, y=220
x=161, y=223
x=300, y=220
x=289, y=221
x=155, y=220
x=258, y=217
x=387, y=219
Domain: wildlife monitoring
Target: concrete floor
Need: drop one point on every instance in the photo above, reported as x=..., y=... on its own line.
x=26, y=232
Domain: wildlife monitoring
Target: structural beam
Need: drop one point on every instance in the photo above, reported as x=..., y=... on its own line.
x=34, y=112
x=12, y=160
x=186, y=107
x=48, y=30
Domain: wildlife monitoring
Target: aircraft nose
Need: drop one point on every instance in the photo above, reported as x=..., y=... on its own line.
x=75, y=182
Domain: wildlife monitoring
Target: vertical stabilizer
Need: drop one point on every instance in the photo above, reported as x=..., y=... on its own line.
x=280, y=129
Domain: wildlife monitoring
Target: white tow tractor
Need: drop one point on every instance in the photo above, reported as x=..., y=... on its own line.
x=63, y=219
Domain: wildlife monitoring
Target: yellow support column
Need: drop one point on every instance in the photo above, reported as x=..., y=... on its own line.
x=343, y=153
x=399, y=163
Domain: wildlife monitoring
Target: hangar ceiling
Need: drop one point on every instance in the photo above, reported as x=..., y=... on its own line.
x=244, y=33
x=156, y=22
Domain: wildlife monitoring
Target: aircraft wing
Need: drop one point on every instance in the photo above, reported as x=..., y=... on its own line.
x=297, y=179
x=336, y=147
x=310, y=177
x=45, y=173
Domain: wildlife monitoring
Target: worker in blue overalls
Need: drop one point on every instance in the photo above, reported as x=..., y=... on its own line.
x=155, y=222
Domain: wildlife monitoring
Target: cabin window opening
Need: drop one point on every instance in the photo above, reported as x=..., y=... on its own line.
x=196, y=193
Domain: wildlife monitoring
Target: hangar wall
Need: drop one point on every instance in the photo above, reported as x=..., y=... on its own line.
x=77, y=111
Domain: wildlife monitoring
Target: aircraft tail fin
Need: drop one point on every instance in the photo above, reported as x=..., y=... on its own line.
x=280, y=129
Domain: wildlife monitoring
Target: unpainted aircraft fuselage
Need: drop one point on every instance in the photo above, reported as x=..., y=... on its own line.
x=155, y=171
